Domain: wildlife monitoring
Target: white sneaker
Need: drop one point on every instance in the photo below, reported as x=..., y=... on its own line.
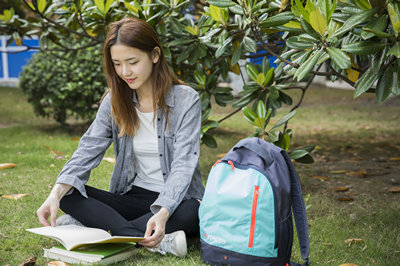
x=174, y=243
x=67, y=219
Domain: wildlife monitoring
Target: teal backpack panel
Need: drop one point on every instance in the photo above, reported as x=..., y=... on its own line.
x=239, y=208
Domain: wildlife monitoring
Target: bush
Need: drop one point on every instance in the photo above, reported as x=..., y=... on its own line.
x=61, y=84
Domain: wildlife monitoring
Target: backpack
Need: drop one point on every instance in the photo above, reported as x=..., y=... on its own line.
x=246, y=212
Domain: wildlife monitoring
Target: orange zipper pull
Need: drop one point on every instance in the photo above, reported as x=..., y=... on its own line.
x=232, y=166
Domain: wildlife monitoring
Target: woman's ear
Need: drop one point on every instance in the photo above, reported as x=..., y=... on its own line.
x=155, y=54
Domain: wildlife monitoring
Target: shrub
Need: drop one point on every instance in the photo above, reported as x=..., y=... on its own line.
x=61, y=84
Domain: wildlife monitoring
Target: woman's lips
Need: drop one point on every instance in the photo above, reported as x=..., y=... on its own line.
x=130, y=80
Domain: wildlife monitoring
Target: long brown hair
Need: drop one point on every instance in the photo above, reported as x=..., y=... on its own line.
x=138, y=34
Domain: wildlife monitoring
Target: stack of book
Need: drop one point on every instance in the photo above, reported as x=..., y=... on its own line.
x=87, y=245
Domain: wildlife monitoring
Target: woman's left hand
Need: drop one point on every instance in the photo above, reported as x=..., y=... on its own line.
x=155, y=224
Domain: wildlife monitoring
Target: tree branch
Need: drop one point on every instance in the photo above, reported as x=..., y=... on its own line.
x=58, y=24
x=231, y=114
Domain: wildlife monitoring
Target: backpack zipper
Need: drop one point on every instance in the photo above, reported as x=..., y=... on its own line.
x=253, y=216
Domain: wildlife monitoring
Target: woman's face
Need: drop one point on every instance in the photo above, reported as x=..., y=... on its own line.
x=134, y=66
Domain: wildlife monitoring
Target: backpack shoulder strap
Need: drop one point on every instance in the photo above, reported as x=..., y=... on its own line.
x=299, y=211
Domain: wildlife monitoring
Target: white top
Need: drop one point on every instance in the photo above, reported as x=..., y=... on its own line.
x=145, y=150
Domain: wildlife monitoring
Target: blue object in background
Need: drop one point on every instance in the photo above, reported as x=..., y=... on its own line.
x=11, y=63
x=258, y=60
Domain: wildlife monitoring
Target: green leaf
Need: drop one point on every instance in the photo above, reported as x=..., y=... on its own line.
x=363, y=4
x=286, y=142
x=385, y=84
x=354, y=20
x=179, y=42
x=365, y=82
x=108, y=5
x=395, y=50
x=303, y=12
x=131, y=8
x=221, y=3
x=216, y=13
x=294, y=43
x=277, y=20
x=209, y=125
x=41, y=5
x=296, y=154
x=249, y=114
x=261, y=110
x=318, y=22
x=199, y=77
x=209, y=141
x=377, y=25
x=223, y=47
x=191, y=30
x=236, y=55
x=260, y=79
x=396, y=83
x=377, y=33
x=252, y=72
x=260, y=122
x=269, y=76
x=363, y=47
x=340, y=58
x=100, y=6
x=307, y=159
x=249, y=45
x=393, y=18
x=308, y=28
x=284, y=119
x=307, y=66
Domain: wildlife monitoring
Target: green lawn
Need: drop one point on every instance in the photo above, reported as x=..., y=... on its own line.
x=358, y=146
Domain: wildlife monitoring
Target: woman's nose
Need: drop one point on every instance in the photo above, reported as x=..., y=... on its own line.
x=126, y=71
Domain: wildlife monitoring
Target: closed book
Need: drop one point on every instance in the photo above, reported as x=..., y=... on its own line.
x=98, y=253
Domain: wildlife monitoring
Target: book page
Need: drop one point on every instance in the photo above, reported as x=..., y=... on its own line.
x=73, y=236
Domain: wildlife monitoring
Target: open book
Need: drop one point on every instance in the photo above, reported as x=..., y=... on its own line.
x=73, y=236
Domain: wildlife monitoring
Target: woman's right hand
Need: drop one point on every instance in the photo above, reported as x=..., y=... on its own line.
x=50, y=206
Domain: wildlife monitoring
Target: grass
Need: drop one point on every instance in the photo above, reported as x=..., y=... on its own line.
x=351, y=135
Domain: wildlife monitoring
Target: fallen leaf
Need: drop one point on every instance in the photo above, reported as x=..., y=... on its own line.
x=327, y=244
x=341, y=189
x=75, y=138
x=338, y=172
x=348, y=264
x=14, y=196
x=29, y=261
x=220, y=155
x=3, y=235
x=345, y=199
x=323, y=178
x=57, y=263
x=109, y=159
x=394, y=189
x=59, y=157
x=57, y=152
x=359, y=173
x=7, y=165
x=395, y=158
x=351, y=241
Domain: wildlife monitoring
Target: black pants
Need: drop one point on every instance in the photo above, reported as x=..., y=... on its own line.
x=127, y=215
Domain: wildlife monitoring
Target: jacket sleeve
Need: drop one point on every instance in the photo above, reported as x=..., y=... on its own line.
x=185, y=159
x=91, y=149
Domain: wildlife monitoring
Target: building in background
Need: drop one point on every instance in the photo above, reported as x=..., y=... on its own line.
x=13, y=58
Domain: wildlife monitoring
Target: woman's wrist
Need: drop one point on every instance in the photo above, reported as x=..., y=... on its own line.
x=164, y=213
x=59, y=190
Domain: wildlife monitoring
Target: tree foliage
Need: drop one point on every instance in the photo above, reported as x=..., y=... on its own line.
x=357, y=39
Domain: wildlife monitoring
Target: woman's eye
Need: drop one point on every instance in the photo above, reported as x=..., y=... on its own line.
x=132, y=63
x=115, y=64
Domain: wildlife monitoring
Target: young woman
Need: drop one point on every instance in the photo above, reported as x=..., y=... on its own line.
x=153, y=122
